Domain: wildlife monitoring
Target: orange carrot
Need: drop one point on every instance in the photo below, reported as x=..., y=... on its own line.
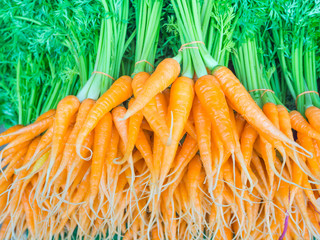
x=133, y=132
x=162, y=105
x=313, y=162
x=190, y=129
x=166, y=72
x=313, y=116
x=271, y=111
x=29, y=132
x=187, y=152
x=144, y=148
x=47, y=114
x=299, y=124
x=246, y=106
x=240, y=123
x=150, y=110
x=102, y=134
x=66, y=110
x=158, y=148
x=203, y=129
x=121, y=125
x=248, y=137
x=5, y=136
x=215, y=105
x=284, y=121
x=181, y=100
x=119, y=92
x=69, y=152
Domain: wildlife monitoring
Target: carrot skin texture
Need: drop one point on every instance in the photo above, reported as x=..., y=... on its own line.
x=246, y=106
x=181, y=99
x=299, y=124
x=156, y=121
x=102, y=134
x=164, y=75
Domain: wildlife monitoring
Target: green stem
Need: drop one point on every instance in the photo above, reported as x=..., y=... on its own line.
x=19, y=91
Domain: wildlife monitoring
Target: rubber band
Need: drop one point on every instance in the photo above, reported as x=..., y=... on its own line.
x=264, y=91
x=305, y=93
x=183, y=45
x=144, y=61
x=104, y=74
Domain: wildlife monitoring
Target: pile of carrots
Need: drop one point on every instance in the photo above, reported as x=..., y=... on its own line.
x=184, y=160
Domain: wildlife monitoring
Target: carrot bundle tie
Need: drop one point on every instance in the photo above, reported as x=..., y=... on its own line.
x=262, y=89
x=103, y=74
x=303, y=93
x=186, y=44
x=145, y=62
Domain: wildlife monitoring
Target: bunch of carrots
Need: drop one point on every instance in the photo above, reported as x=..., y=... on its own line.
x=179, y=152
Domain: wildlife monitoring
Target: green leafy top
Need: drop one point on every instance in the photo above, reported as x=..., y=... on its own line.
x=148, y=15
x=218, y=34
x=111, y=48
x=46, y=46
x=295, y=29
x=191, y=21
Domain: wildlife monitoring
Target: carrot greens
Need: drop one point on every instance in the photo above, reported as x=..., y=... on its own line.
x=294, y=30
x=46, y=53
x=250, y=58
x=112, y=45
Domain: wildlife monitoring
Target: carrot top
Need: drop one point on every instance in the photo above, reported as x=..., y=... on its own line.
x=192, y=17
x=111, y=47
x=148, y=15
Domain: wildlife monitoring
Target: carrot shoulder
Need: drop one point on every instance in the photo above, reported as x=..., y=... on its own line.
x=164, y=75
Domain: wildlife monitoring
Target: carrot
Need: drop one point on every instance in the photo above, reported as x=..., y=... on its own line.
x=313, y=162
x=5, y=136
x=77, y=197
x=29, y=213
x=313, y=116
x=150, y=110
x=28, y=132
x=7, y=154
x=158, y=148
x=32, y=131
x=190, y=129
x=145, y=125
x=119, y=92
x=248, y=138
x=271, y=111
x=203, y=129
x=166, y=72
x=70, y=149
x=187, y=152
x=181, y=100
x=240, y=123
x=144, y=148
x=16, y=162
x=45, y=115
x=284, y=121
x=133, y=131
x=66, y=109
x=246, y=106
x=162, y=105
x=299, y=124
x=121, y=125
x=194, y=180
x=215, y=105
x=102, y=134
